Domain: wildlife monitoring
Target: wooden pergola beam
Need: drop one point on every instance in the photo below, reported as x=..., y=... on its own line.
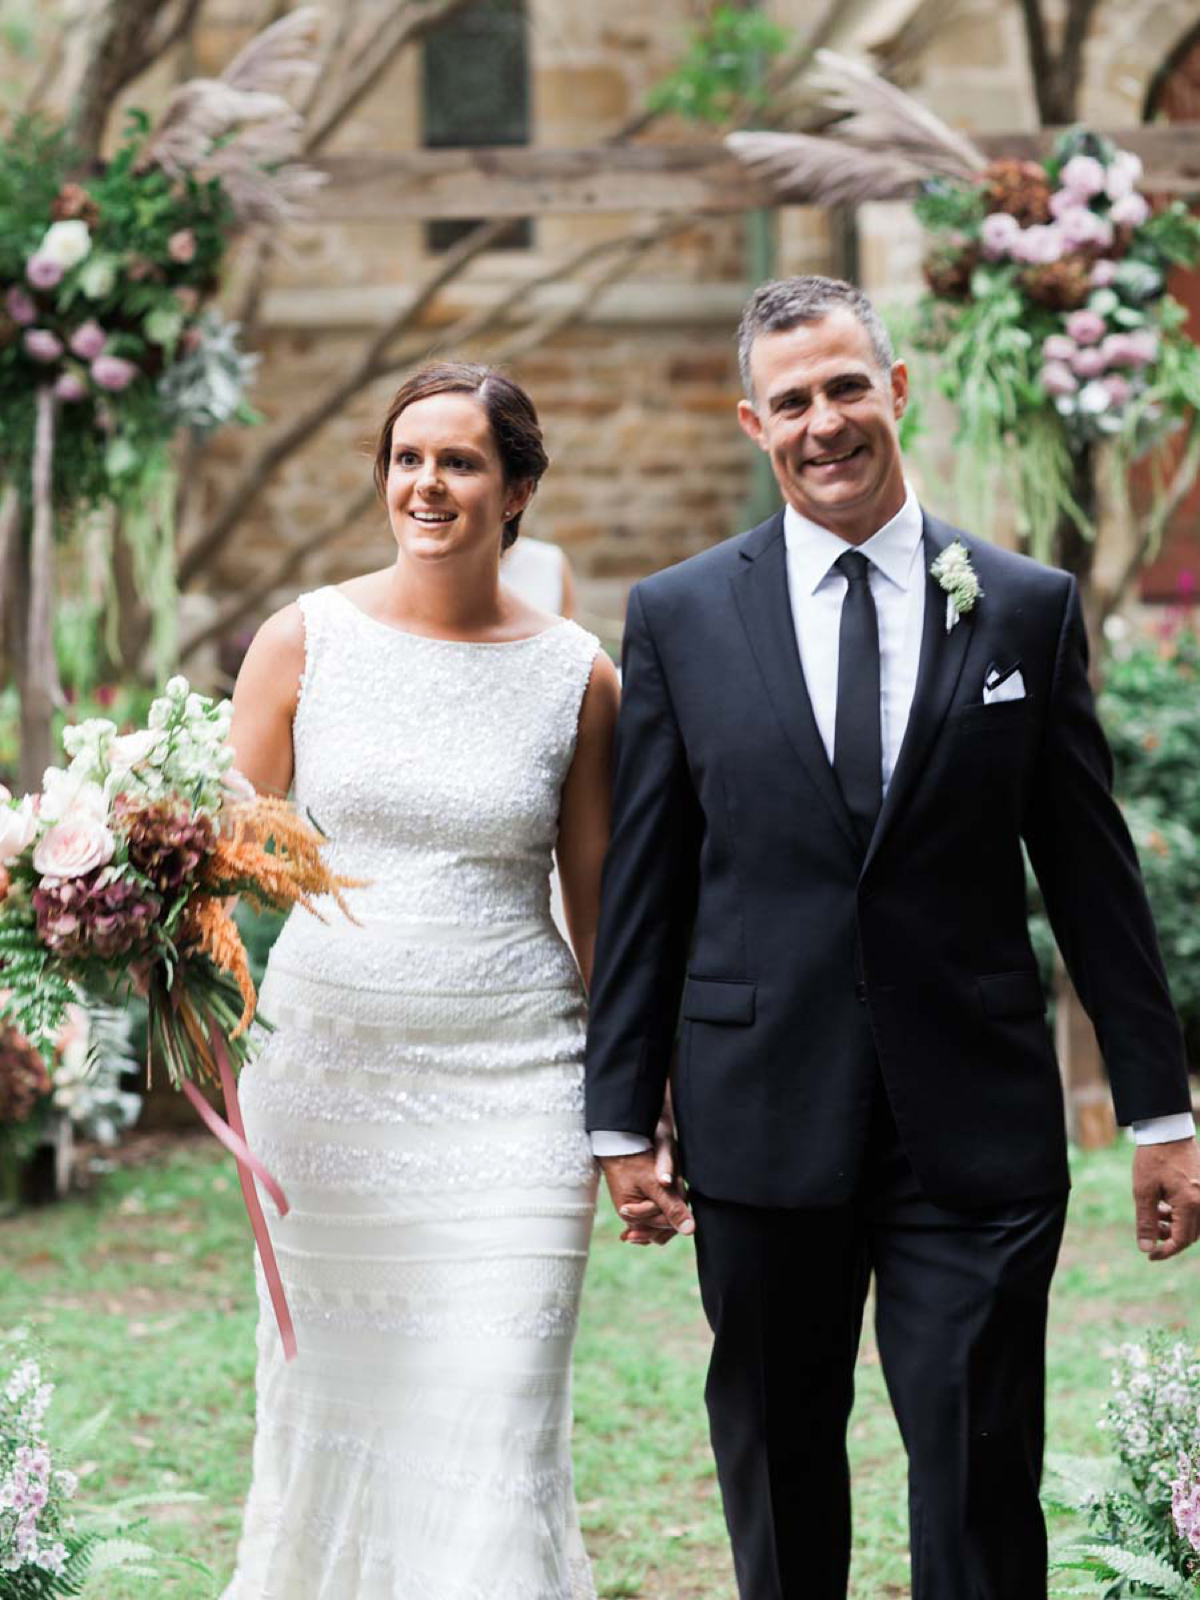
x=530, y=181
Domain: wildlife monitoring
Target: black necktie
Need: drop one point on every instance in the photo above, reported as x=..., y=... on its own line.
x=857, y=737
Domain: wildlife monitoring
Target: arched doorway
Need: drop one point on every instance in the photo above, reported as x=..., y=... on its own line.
x=1174, y=96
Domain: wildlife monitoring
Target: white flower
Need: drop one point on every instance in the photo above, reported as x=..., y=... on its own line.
x=133, y=750
x=98, y=279
x=18, y=829
x=956, y=576
x=76, y=845
x=66, y=243
x=64, y=791
x=1093, y=399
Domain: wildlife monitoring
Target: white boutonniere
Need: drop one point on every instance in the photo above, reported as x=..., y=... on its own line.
x=956, y=575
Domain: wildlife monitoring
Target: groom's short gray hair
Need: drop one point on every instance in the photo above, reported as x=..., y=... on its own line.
x=788, y=302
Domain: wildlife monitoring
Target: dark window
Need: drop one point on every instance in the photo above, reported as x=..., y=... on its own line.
x=476, y=91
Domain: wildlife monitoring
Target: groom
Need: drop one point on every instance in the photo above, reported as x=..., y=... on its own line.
x=837, y=731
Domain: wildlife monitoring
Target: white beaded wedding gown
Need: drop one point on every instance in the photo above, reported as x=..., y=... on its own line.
x=421, y=1103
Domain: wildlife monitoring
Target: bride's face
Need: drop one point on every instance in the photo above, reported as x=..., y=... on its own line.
x=446, y=492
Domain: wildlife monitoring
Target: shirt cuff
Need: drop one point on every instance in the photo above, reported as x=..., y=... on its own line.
x=1163, y=1130
x=607, y=1143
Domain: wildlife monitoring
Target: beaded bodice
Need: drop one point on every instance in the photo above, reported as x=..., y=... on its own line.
x=435, y=767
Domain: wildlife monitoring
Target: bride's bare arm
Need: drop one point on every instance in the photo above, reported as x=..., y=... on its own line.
x=583, y=821
x=264, y=702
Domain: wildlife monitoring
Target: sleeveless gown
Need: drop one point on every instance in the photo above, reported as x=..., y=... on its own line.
x=421, y=1103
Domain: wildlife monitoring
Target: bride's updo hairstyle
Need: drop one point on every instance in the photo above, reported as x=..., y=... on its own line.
x=510, y=412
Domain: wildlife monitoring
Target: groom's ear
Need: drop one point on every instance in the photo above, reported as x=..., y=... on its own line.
x=751, y=423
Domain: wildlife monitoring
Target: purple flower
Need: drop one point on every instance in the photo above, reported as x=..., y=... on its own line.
x=1103, y=273
x=1056, y=378
x=1058, y=348
x=1117, y=352
x=112, y=373
x=43, y=271
x=1088, y=362
x=70, y=387
x=998, y=232
x=1082, y=226
x=1084, y=176
x=1120, y=390
x=41, y=345
x=20, y=306
x=1142, y=345
x=1130, y=211
x=1124, y=174
x=1086, y=327
x=1063, y=200
x=88, y=340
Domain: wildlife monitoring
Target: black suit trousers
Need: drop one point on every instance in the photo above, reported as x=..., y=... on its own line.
x=960, y=1307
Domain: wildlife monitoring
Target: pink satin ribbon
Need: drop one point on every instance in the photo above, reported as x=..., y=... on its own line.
x=232, y=1135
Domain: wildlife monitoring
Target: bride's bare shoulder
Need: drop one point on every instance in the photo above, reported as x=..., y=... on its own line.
x=276, y=653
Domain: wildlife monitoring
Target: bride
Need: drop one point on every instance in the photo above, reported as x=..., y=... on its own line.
x=420, y=1099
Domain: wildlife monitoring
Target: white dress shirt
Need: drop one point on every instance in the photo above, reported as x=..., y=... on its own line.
x=816, y=591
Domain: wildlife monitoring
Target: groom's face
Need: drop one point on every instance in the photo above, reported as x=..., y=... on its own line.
x=825, y=411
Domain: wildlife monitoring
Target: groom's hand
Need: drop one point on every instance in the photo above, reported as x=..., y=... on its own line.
x=1166, y=1189
x=651, y=1210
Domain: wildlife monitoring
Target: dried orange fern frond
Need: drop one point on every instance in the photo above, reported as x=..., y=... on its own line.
x=208, y=926
x=291, y=874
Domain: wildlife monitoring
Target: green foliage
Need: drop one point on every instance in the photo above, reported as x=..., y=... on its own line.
x=944, y=205
x=723, y=67
x=1151, y=712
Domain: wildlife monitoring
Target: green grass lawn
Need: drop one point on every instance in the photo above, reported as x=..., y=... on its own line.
x=141, y=1296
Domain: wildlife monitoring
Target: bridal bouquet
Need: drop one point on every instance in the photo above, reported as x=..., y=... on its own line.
x=123, y=865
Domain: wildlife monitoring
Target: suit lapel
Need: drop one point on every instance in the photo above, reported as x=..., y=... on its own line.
x=760, y=590
x=941, y=664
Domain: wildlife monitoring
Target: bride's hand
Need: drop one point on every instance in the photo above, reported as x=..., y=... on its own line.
x=653, y=1227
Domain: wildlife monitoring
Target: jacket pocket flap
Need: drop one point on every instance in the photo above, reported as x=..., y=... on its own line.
x=719, y=1000
x=1012, y=994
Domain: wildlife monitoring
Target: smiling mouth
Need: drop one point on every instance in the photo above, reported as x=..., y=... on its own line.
x=833, y=461
x=433, y=518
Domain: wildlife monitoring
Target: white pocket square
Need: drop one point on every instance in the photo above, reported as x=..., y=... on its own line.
x=1000, y=686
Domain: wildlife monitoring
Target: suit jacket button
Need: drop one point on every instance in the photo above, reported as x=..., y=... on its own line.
x=860, y=992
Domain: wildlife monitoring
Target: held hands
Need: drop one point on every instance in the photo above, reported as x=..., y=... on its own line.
x=645, y=1190
x=1166, y=1190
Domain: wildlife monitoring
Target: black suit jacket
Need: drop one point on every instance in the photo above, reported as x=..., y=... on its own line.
x=735, y=893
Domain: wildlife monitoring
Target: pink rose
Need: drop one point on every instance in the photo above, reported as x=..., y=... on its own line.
x=17, y=828
x=1056, y=378
x=112, y=373
x=88, y=340
x=998, y=232
x=1086, y=327
x=1058, y=348
x=1103, y=273
x=1084, y=175
x=1063, y=200
x=19, y=306
x=1116, y=350
x=1089, y=362
x=181, y=246
x=1130, y=211
x=70, y=387
x=77, y=845
x=1120, y=390
x=43, y=272
x=41, y=345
